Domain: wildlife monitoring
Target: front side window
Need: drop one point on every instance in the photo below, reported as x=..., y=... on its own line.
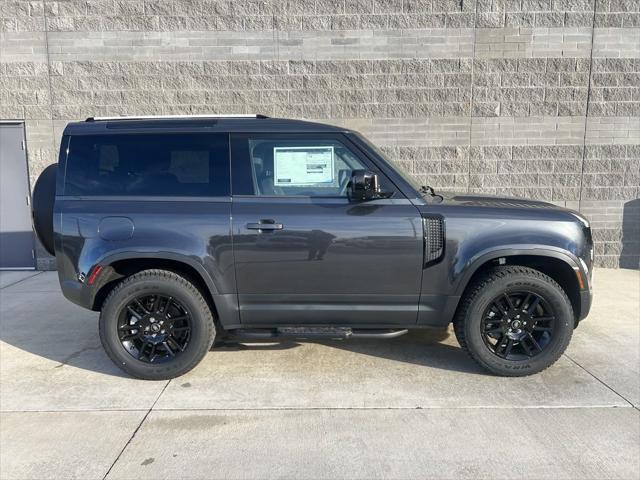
x=296, y=166
x=148, y=165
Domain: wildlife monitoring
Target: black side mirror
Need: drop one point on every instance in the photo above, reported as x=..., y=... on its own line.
x=363, y=186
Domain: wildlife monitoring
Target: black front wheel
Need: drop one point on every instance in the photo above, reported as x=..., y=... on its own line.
x=514, y=321
x=156, y=325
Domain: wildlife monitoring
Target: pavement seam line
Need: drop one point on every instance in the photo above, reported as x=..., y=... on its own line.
x=136, y=430
x=22, y=280
x=286, y=409
x=603, y=383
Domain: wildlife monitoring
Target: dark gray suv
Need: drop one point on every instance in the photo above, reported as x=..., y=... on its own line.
x=183, y=229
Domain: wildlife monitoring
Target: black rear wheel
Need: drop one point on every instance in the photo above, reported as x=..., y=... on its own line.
x=155, y=328
x=514, y=321
x=156, y=325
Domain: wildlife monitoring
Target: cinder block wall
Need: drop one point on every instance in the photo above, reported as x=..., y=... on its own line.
x=531, y=98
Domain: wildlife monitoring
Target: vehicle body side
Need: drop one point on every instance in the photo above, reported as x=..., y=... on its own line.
x=196, y=236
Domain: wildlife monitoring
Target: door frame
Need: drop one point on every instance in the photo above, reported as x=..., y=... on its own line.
x=29, y=199
x=243, y=194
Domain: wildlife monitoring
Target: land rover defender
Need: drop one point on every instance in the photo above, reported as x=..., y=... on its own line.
x=183, y=229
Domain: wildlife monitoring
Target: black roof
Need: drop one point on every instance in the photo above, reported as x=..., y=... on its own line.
x=252, y=124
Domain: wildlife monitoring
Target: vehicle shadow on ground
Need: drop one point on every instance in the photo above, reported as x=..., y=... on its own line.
x=83, y=350
x=419, y=347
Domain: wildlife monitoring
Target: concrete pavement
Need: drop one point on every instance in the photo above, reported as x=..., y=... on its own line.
x=411, y=407
x=10, y=277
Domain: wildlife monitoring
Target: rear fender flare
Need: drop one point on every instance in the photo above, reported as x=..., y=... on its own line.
x=176, y=257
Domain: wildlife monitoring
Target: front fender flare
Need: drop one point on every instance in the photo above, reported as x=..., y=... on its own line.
x=474, y=263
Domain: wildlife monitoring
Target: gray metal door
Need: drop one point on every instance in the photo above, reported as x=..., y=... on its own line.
x=16, y=233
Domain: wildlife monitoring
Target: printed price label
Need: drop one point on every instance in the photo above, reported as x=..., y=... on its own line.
x=295, y=166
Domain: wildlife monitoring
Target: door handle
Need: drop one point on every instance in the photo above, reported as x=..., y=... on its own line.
x=265, y=225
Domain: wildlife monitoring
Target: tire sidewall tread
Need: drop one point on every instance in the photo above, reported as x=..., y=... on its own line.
x=469, y=317
x=145, y=282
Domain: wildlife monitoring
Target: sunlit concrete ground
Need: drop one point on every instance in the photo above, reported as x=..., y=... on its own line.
x=413, y=407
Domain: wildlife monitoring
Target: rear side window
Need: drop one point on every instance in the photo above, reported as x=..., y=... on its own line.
x=191, y=164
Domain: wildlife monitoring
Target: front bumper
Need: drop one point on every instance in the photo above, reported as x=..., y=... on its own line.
x=586, y=298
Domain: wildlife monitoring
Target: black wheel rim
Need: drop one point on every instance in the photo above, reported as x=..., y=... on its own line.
x=518, y=325
x=154, y=328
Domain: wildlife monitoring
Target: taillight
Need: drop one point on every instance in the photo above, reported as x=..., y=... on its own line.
x=94, y=274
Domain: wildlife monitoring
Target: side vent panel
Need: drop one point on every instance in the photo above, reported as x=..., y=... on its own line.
x=433, y=230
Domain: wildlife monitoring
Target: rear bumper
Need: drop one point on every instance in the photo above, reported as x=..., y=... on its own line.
x=78, y=293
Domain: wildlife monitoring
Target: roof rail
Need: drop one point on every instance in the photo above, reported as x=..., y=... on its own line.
x=161, y=117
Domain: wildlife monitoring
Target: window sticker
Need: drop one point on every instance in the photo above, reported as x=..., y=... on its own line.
x=296, y=166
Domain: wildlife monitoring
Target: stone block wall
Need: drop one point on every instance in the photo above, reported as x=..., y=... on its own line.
x=532, y=98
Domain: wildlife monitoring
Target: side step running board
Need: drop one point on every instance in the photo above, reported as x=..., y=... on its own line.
x=334, y=333
x=379, y=333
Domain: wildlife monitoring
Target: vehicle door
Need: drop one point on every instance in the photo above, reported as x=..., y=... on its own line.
x=306, y=254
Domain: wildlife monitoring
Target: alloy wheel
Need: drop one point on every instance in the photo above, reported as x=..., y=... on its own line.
x=518, y=325
x=154, y=328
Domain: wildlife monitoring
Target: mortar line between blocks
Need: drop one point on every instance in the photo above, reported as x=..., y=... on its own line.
x=49, y=82
x=586, y=109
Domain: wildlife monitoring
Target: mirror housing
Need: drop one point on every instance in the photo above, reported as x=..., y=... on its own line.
x=363, y=186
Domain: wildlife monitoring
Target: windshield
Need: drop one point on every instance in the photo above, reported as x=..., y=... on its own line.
x=406, y=176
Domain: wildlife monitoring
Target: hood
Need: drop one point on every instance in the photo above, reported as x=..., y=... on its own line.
x=503, y=203
x=498, y=202
x=489, y=201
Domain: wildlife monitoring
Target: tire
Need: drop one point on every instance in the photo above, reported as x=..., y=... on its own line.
x=540, y=339
x=44, y=195
x=123, y=317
